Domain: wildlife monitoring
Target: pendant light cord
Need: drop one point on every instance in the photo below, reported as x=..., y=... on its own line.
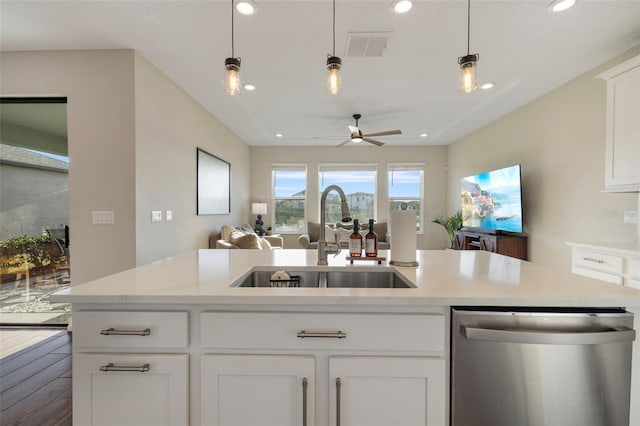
x=334, y=27
x=232, y=41
x=468, y=25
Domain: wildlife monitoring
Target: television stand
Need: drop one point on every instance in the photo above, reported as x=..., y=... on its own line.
x=506, y=244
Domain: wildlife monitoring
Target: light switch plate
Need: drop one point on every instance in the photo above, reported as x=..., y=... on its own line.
x=103, y=217
x=168, y=215
x=156, y=216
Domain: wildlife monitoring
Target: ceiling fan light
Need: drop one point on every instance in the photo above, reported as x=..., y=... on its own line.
x=401, y=6
x=356, y=139
x=232, y=78
x=246, y=7
x=468, y=78
x=560, y=5
x=334, y=82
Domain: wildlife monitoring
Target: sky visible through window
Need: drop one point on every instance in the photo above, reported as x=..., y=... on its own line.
x=46, y=154
x=403, y=183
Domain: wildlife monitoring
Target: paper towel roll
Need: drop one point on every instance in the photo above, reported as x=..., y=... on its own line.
x=403, y=238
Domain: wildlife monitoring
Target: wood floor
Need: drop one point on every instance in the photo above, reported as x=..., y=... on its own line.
x=35, y=382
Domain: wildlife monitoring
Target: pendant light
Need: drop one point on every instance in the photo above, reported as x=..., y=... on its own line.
x=232, y=65
x=334, y=82
x=468, y=63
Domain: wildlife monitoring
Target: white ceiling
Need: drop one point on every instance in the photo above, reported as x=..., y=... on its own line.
x=524, y=48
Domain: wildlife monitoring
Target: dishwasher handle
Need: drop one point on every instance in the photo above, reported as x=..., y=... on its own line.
x=617, y=335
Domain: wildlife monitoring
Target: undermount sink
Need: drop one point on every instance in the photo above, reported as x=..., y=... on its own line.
x=326, y=279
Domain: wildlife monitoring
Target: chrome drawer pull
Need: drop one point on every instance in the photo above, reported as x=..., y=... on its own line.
x=590, y=259
x=304, y=401
x=330, y=334
x=110, y=367
x=113, y=332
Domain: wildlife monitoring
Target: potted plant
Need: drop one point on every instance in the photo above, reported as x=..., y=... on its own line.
x=451, y=224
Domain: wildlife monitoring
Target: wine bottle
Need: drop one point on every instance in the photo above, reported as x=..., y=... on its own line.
x=355, y=241
x=371, y=242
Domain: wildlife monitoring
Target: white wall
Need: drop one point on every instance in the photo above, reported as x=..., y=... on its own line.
x=170, y=125
x=435, y=237
x=100, y=114
x=132, y=149
x=559, y=140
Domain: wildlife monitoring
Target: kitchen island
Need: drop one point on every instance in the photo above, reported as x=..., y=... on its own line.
x=197, y=350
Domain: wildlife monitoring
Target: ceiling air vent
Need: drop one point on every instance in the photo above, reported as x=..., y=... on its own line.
x=366, y=44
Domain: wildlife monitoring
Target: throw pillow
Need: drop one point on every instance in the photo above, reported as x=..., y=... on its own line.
x=265, y=244
x=343, y=235
x=245, y=241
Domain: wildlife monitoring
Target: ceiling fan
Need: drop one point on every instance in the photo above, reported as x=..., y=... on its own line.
x=357, y=136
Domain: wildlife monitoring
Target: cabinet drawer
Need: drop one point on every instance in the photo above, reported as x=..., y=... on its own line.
x=597, y=261
x=380, y=332
x=126, y=389
x=630, y=282
x=118, y=329
x=603, y=276
x=633, y=268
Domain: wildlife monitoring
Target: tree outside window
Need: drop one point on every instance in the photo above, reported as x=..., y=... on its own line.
x=406, y=183
x=289, y=183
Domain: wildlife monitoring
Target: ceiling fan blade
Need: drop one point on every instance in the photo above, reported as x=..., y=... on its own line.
x=387, y=133
x=373, y=141
x=344, y=143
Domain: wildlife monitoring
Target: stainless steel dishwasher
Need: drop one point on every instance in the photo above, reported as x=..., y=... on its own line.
x=526, y=367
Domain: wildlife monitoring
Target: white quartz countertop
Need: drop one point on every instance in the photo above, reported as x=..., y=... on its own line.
x=443, y=278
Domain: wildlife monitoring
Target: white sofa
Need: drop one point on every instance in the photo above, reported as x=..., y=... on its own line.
x=243, y=238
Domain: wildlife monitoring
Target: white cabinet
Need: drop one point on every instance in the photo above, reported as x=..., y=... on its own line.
x=368, y=369
x=382, y=391
x=622, y=155
x=257, y=390
x=122, y=371
x=137, y=390
x=615, y=264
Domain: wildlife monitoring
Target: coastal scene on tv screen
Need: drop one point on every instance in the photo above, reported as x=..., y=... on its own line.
x=492, y=200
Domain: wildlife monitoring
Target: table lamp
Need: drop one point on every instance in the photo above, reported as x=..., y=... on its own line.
x=259, y=209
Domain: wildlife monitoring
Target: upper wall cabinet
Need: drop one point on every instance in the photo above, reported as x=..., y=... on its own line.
x=622, y=154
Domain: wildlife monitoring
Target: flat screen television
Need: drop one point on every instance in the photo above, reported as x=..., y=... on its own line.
x=492, y=201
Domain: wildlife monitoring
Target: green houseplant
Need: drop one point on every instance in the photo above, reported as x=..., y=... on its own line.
x=450, y=223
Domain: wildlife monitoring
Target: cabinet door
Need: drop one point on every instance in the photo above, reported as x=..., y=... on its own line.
x=257, y=390
x=135, y=390
x=382, y=391
x=623, y=127
x=458, y=241
x=489, y=244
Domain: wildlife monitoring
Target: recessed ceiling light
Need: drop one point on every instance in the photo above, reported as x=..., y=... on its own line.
x=424, y=135
x=250, y=87
x=279, y=135
x=246, y=7
x=560, y=5
x=401, y=6
x=486, y=86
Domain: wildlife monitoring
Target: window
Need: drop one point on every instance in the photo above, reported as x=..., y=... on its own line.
x=289, y=183
x=358, y=181
x=406, y=183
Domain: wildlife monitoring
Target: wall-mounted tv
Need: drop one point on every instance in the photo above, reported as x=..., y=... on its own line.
x=492, y=201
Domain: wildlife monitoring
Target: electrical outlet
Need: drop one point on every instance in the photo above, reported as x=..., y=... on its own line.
x=168, y=215
x=630, y=216
x=156, y=216
x=103, y=217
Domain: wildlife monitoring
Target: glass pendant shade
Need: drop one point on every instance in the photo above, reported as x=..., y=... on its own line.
x=334, y=82
x=232, y=77
x=468, y=78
